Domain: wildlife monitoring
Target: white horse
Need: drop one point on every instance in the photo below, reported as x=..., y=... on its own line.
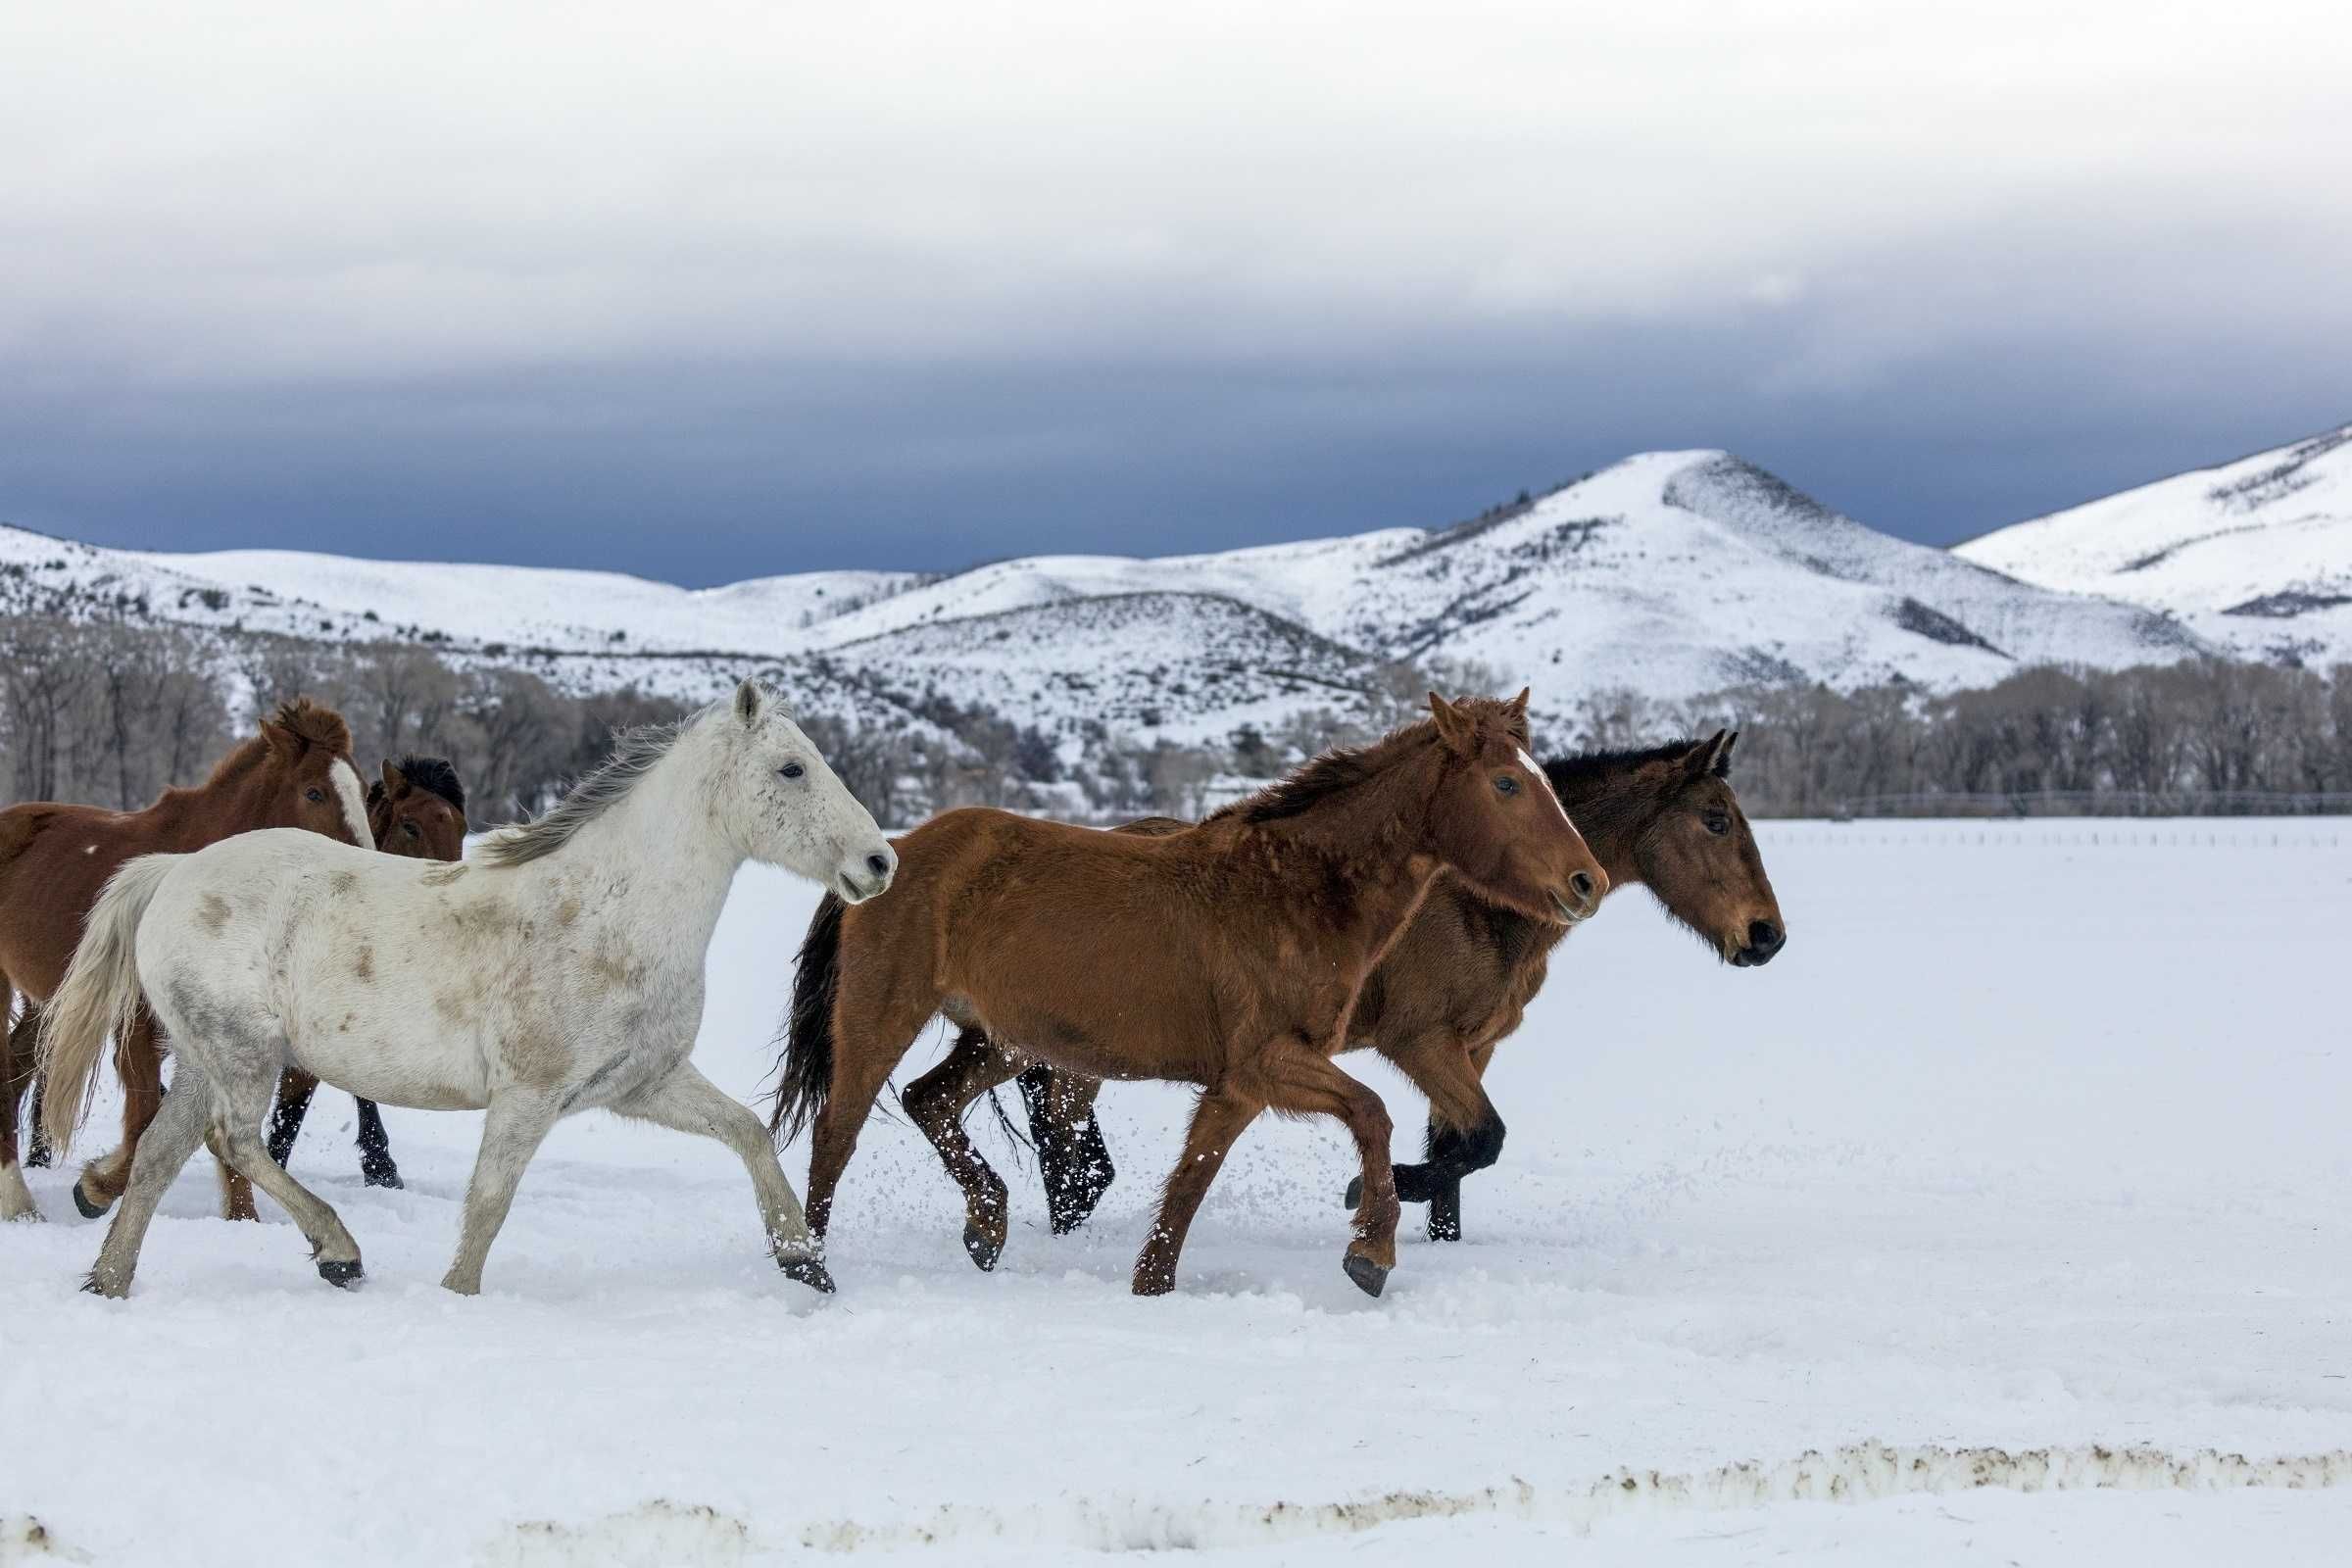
x=559, y=970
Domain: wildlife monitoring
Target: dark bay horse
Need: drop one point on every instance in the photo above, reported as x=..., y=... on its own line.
x=54, y=860
x=1229, y=956
x=418, y=808
x=1459, y=978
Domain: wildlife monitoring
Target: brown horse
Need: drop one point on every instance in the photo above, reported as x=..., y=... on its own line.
x=1456, y=982
x=418, y=809
x=1228, y=956
x=54, y=860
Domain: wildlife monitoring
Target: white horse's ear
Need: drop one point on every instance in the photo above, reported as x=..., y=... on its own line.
x=747, y=702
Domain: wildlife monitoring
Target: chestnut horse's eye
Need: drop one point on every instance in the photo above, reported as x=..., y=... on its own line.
x=410, y=828
x=1718, y=823
x=792, y=770
x=1506, y=784
x=317, y=797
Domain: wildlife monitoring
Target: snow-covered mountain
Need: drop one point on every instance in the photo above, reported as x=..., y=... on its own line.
x=2254, y=555
x=1672, y=573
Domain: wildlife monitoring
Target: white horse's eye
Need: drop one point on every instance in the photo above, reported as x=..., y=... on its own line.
x=792, y=770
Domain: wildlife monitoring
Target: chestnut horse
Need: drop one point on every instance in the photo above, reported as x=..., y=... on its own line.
x=1228, y=956
x=55, y=860
x=1457, y=981
x=418, y=808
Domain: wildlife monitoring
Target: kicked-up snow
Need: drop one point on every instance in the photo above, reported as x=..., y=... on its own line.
x=1999, y=1218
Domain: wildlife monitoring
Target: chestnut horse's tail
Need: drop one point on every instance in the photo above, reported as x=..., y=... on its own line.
x=99, y=995
x=808, y=1069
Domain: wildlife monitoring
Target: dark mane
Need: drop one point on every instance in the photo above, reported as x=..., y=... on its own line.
x=1588, y=768
x=435, y=777
x=1318, y=781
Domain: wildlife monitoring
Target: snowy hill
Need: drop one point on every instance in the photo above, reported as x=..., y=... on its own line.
x=1672, y=573
x=2254, y=555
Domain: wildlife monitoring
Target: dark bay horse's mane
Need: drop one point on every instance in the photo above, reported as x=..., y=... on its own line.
x=435, y=777
x=634, y=753
x=1589, y=767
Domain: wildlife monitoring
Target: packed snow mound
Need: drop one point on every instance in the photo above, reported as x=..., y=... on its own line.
x=2254, y=555
x=1671, y=574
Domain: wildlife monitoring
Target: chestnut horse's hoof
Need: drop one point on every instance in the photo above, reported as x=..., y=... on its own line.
x=985, y=1252
x=342, y=1276
x=1369, y=1276
x=809, y=1271
x=89, y=1211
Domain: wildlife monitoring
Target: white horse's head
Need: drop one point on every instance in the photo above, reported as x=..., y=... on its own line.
x=784, y=806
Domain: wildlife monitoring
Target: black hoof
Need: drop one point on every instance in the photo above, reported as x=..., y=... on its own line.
x=1356, y=1194
x=340, y=1275
x=810, y=1272
x=381, y=1176
x=37, y=1157
x=984, y=1252
x=89, y=1211
x=1369, y=1276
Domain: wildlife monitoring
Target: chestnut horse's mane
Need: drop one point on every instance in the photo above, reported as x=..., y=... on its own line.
x=1338, y=771
x=307, y=721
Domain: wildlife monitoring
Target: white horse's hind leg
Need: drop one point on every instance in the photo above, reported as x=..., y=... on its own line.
x=511, y=1133
x=692, y=1104
x=177, y=1128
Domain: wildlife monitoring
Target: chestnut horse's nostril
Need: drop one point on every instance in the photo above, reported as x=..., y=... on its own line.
x=878, y=866
x=1580, y=884
x=1764, y=936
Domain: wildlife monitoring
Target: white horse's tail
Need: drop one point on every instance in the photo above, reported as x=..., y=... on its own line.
x=99, y=995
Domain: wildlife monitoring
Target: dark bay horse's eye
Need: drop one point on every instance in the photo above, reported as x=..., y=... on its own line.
x=1506, y=784
x=316, y=796
x=792, y=770
x=1718, y=823
x=410, y=828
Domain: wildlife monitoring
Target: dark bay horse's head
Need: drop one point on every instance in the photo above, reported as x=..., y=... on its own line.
x=307, y=779
x=1495, y=821
x=1699, y=858
x=418, y=808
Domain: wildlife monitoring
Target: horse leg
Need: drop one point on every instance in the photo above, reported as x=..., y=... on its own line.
x=294, y=1091
x=1217, y=1120
x=178, y=1127
x=869, y=1038
x=24, y=1043
x=1071, y=1155
x=235, y=1136
x=139, y=1060
x=692, y=1104
x=517, y=1123
x=935, y=1103
x=1465, y=1134
x=16, y=1068
x=1301, y=1082
x=376, y=1167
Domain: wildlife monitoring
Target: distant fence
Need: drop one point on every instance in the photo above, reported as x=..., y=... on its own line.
x=2100, y=803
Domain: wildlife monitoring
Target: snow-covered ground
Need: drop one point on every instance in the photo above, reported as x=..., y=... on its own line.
x=2033, y=1141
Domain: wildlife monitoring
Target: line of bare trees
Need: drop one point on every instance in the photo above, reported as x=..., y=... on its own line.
x=115, y=711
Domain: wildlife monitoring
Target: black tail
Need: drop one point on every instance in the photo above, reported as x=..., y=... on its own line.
x=807, y=1075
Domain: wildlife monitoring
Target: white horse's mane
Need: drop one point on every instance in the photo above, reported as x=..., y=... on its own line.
x=635, y=750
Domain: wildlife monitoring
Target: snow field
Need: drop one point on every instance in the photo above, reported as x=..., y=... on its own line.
x=2031, y=1143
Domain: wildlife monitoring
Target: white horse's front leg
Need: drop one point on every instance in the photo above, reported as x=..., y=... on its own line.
x=692, y=1104
x=511, y=1133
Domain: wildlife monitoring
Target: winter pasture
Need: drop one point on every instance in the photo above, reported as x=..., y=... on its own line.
x=2032, y=1143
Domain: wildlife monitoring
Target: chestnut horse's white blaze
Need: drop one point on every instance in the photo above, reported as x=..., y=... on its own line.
x=559, y=970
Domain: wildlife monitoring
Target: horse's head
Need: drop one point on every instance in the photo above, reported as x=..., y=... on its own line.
x=1495, y=821
x=418, y=809
x=786, y=808
x=310, y=781
x=1698, y=857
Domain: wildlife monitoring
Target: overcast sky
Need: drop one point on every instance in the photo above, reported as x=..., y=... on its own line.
x=706, y=292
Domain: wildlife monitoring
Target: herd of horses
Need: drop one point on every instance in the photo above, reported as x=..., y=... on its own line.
x=279, y=926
